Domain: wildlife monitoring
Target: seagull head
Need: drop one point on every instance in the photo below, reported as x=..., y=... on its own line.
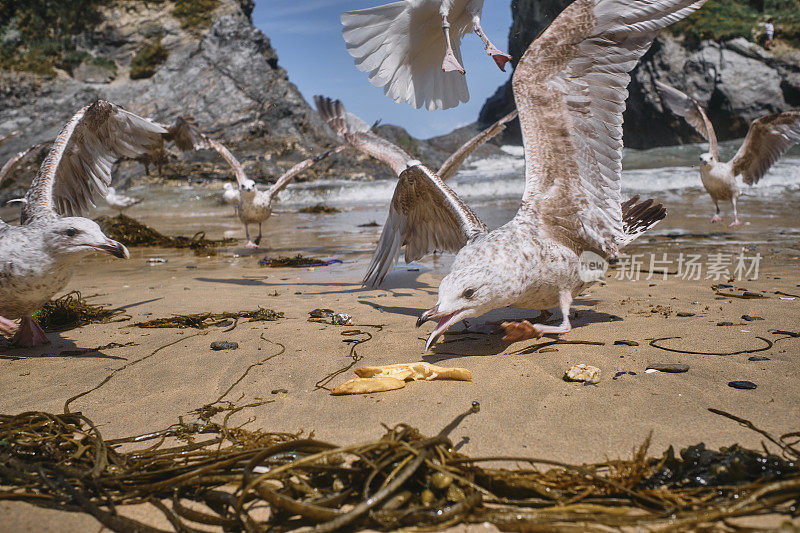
x=472, y=288
x=78, y=236
x=248, y=185
x=707, y=158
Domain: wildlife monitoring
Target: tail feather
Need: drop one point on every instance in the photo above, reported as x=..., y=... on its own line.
x=638, y=217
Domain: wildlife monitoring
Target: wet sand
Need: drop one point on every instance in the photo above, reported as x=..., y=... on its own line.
x=526, y=407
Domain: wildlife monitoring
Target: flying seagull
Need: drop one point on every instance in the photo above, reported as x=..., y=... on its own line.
x=37, y=257
x=570, y=91
x=359, y=135
x=183, y=133
x=120, y=201
x=767, y=139
x=411, y=48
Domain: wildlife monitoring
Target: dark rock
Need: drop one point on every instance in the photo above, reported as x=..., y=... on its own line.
x=684, y=314
x=724, y=323
x=626, y=343
x=674, y=368
x=321, y=313
x=224, y=345
x=722, y=286
x=737, y=81
x=749, y=318
x=624, y=372
x=747, y=385
x=790, y=333
x=758, y=358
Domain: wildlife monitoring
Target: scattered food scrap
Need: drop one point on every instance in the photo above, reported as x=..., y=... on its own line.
x=584, y=373
x=391, y=377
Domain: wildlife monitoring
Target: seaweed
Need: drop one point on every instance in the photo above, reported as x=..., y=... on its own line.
x=131, y=232
x=320, y=209
x=72, y=311
x=298, y=261
x=205, y=320
x=205, y=473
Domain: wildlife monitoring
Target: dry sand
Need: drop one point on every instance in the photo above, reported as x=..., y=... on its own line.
x=526, y=407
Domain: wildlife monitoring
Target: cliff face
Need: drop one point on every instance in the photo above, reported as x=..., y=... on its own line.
x=224, y=73
x=737, y=81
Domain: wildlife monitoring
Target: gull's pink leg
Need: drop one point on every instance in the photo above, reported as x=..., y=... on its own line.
x=716, y=217
x=30, y=334
x=736, y=221
x=519, y=331
x=7, y=327
x=258, y=239
x=499, y=57
x=250, y=244
x=449, y=63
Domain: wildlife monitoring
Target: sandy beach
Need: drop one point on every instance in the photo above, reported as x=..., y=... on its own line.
x=526, y=406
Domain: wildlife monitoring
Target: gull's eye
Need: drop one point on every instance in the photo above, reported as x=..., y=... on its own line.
x=468, y=293
x=71, y=232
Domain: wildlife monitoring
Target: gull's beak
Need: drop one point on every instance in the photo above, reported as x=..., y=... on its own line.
x=445, y=321
x=427, y=315
x=114, y=248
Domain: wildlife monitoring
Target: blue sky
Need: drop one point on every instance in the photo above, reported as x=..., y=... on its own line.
x=307, y=37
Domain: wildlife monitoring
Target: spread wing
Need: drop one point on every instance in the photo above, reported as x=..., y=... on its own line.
x=570, y=89
x=358, y=135
x=687, y=107
x=78, y=165
x=12, y=163
x=453, y=162
x=290, y=174
x=425, y=215
x=767, y=139
x=238, y=169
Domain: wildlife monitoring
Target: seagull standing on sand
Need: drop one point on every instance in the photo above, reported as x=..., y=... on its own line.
x=37, y=257
x=767, y=139
x=120, y=201
x=412, y=48
x=359, y=135
x=570, y=91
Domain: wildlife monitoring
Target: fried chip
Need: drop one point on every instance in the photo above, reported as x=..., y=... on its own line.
x=415, y=372
x=368, y=385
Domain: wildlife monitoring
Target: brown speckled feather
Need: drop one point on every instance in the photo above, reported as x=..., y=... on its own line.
x=570, y=89
x=687, y=107
x=767, y=139
x=425, y=215
x=78, y=165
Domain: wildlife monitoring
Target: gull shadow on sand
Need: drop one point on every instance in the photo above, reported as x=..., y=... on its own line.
x=61, y=348
x=245, y=282
x=136, y=304
x=395, y=310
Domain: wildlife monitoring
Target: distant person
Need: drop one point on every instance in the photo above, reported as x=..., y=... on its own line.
x=769, y=33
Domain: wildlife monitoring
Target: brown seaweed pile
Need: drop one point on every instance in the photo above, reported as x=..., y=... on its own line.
x=131, y=232
x=320, y=209
x=204, y=320
x=298, y=261
x=71, y=311
x=207, y=474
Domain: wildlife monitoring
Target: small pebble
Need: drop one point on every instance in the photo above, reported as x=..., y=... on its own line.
x=280, y=391
x=156, y=260
x=742, y=385
x=585, y=373
x=684, y=314
x=674, y=368
x=626, y=343
x=748, y=294
x=224, y=345
x=758, y=358
x=321, y=313
x=191, y=266
x=624, y=372
x=723, y=286
x=724, y=323
x=749, y=318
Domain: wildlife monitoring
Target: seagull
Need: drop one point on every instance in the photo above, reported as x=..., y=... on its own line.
x=37, y=257
x=120, y=201
x=767, y=139
x=570, y=91
x=230, y=194
x=412, y=49
x=359, y=135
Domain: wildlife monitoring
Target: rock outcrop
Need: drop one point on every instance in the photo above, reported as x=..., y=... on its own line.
x=736, y=80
